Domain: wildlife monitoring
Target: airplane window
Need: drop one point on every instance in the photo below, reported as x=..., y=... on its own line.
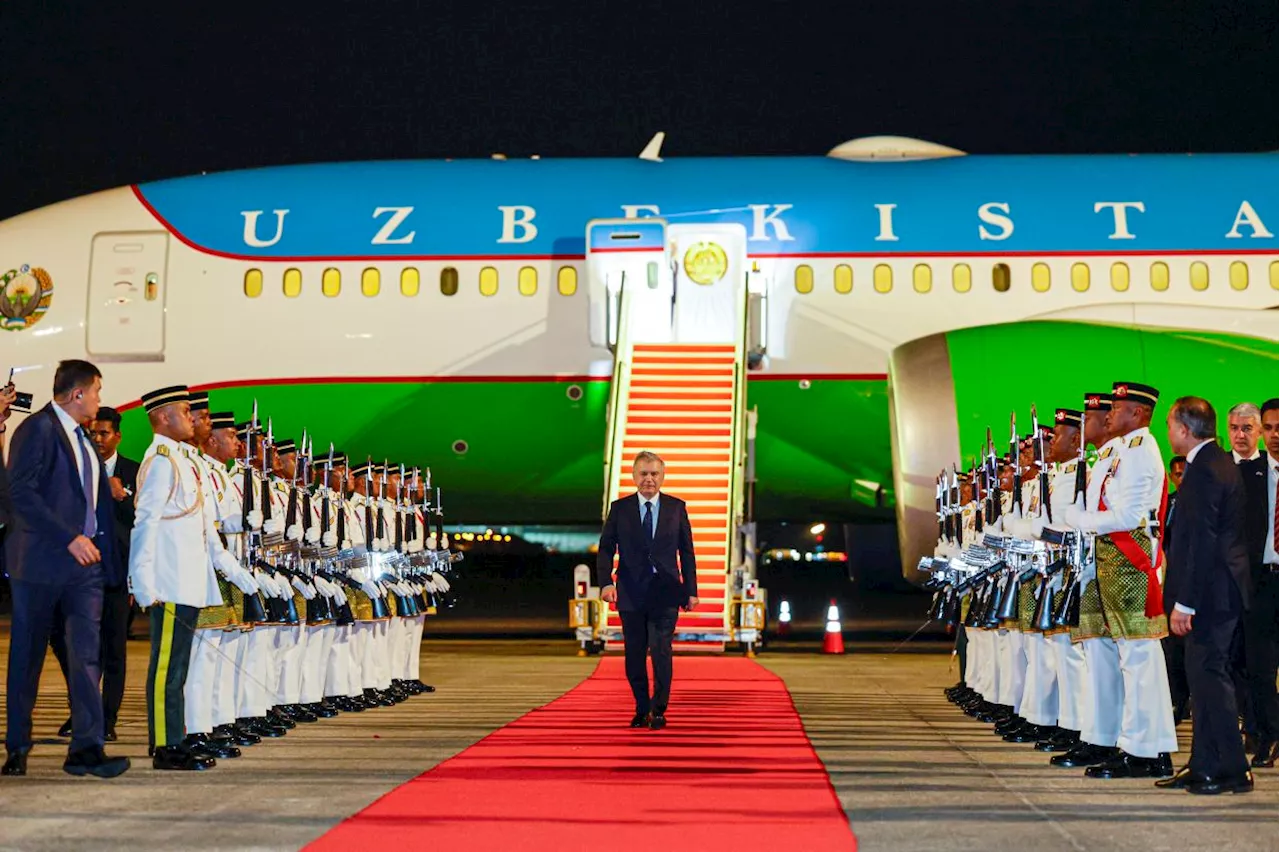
x=488, y=281
x=1001, y=277
x=331, y=282
x=253, y=283
x=804, y=279
x=448, y=281
x=922, y=278
x=1275, y=275
x=1160, y=276
x=1239, y=275
x=1120, y=277
x=1080, y=277
x=961, y=278
x=567, y=281
x=527, y=281
x=152, y=290
x=410, y=281
x=293, y=283
x=882, y=278
x=1199, y=275
x=370, y=282
x=1040, y=279
x=844, y=278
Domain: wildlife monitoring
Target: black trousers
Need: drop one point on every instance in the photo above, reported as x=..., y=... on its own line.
x=1216, y=747
x=112, y=647
x=34, y=605
x=172, y=630
x=1260, y=639
x=649, y=632
x=1175, y=663
x=962, y=651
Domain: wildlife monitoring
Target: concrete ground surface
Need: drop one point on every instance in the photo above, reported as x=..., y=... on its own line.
x=911, y=771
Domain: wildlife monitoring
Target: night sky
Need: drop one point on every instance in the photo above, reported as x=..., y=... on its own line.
x=97, y=95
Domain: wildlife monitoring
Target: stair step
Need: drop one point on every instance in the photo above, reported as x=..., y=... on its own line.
x=684, y=347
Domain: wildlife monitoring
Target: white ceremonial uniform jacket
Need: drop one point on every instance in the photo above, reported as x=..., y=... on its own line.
x=171, y=557
x=1130, y=480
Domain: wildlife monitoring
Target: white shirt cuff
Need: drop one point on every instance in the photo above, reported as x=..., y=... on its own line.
x=1184, y=609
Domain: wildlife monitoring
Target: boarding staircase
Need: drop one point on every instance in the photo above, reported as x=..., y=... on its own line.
x=686, y=401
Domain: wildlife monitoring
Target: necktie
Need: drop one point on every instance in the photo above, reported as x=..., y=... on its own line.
x=1275, y=516
x=86, y=480
x=648, y=522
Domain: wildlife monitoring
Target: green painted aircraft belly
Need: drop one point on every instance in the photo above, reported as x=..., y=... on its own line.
x=535, y=455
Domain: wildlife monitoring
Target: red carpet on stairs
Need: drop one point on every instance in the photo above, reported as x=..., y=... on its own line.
x=732, y=770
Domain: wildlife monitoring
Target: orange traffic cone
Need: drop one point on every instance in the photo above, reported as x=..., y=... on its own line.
x=833, y=638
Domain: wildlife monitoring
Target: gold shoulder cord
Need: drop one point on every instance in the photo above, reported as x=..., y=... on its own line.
x=177, y=475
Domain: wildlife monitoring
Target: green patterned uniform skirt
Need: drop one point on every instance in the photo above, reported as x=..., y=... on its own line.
x=1115, y=603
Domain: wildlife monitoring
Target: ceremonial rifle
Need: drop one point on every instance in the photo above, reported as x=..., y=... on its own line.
x=1043, y=468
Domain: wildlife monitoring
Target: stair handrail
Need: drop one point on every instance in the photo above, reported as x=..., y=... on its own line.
x=617, y=399
x=737, y=456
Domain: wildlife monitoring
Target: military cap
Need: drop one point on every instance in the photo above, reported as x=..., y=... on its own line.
x=1135, y=392
x=222, y=419
x=363, y=469
x=285, y=446
x=1097, y=402
x=199, y=400
x=157, y=399
x=1069, y=417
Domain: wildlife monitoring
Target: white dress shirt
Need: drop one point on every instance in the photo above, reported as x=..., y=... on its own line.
x=1239, y=458
x=73, y=430
x=1269, y=555
x=110, y=464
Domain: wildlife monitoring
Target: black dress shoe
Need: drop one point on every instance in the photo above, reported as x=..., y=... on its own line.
x=426, y=687
x=305, y=716
x=322, y=711
x=110, y=734
x=16, y=763
x=658, y=722
x=280, y=720
x=1125, y=765
x=1028, y=733
x=1251, y=744
x=94, y=761
x=179, y=759
x=1230, y=784
x=241, y=737
x=1061, y=740
x=640, y=720
x=1266, y=756
x=1085, y=754
x=1182, y=779
x=202, y=745
x=65, y=730
x=1012, y=723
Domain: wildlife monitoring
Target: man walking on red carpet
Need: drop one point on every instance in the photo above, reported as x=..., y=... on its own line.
x=657, y=576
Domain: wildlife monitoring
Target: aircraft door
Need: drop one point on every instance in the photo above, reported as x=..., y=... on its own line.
x=628, y=254
x=709, y=266
x=128, y=280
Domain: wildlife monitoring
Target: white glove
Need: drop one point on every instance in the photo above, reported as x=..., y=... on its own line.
x=294, y=533
x=357, y=575
x=303, y=589
x=273, y=526
x=266, y=584
x=313, y=534
x=444, y=541
x=285, y=592
x=431, y=542
x=231, y=525
x=371, y=589
x=329, y=539
x=243, y=580
x=346, y=544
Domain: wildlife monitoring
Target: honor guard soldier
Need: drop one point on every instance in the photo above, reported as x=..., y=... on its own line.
x=170, y=570
x=1125, y=518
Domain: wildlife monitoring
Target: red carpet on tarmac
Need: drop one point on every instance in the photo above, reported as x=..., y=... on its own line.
x=732, y=770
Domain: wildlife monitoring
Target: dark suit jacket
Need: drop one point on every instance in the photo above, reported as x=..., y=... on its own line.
x=1208, y=565
x=1254, y=474
x=639, y=587
x=48, y=506
x=127, y=473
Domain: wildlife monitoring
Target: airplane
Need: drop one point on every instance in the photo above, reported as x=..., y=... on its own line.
x=896, y=297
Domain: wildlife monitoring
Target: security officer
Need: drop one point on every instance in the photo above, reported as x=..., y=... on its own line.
x=170, y=569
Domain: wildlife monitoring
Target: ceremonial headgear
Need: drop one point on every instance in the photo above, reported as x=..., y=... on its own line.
x=199, y=400
x=1135, y=392
x=157, y=399
x=1069, y=417
x=285, y=446
x=222, y=419
x=1097, y=402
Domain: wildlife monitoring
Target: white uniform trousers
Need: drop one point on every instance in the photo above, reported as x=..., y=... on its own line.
x=201, y=678
x=288, y=657
x=1146, y=728
x=1013, y=669
x=983, y=662
x=416, y=627
x=1040, y=689
x=337, y=665
x=1103, y=693
x=1072, y=675
x=224, y=690
x=252, y=696
x=314, y=655
x=361, y=632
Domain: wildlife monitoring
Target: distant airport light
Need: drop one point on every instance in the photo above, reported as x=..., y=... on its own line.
x=818, y=529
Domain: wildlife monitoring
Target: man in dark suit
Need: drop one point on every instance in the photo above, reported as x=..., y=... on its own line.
x=649, y=532
x=1260, y=623
x=61, y=550
x=122, y=477
x=1174, y=646
x=1205, y=592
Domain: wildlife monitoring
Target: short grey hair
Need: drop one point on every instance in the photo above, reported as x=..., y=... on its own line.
x=1247, y=410
x=647, y=456
x=1197, y=415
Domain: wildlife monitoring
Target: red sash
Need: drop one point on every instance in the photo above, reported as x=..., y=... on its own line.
x=1128, y=545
